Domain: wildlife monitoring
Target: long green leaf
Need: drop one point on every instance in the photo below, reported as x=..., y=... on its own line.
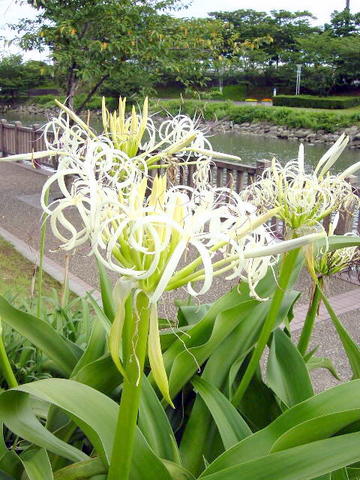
x=335, y=400
x=101, y=374
x=155, y=425
x=341, y=474
x=18, y=415
x=36, y=464
x=287, y=374
x=299, y=463
x=316, y=429
x=218, y=371
x=232, y=427
x=62, y=352
x=93, y=412
x=351, y=348
x=95, y=347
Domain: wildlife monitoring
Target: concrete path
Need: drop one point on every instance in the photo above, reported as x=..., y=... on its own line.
x=20, y=218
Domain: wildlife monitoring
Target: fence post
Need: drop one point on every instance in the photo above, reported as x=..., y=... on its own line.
x=2, y=136
x=346, y=219
x=17, y=139
x=261, y=165
x=34, y=129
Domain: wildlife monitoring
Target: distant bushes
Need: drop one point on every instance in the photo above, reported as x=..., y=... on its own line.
x=229, y=92
x=48, y=101
x=326, y=121
x=311, y=101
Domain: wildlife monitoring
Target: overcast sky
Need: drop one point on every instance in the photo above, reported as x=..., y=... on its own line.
x=12, y=10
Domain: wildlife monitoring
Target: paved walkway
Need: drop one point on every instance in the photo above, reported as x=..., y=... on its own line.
x=20, y=217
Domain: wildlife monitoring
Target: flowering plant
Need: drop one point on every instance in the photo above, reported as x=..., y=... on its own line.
x=206, y=365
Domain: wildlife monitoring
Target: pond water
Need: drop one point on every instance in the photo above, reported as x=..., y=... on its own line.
x=248, y=147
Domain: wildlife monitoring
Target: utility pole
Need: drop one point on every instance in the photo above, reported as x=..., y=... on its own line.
x=347, y=5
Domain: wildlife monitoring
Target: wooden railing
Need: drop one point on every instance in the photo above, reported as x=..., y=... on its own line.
x=16, y=139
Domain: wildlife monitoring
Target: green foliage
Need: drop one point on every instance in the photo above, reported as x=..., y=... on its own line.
x=311, y=101
x=17, y=76
x=327, y=121
x=67, y=425
x=48, y=101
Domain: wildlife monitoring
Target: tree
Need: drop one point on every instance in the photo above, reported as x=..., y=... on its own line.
x=281, y=26
x=91, y=40
x=343, y=23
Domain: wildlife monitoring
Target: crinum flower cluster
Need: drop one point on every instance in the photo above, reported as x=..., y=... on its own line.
x=327, y=263
x=304, y=198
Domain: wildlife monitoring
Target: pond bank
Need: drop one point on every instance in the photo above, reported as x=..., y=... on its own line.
x=267, y=129
x=261, y=128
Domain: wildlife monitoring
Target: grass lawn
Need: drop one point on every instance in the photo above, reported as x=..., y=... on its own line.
x=17, y=275
x=339, y=111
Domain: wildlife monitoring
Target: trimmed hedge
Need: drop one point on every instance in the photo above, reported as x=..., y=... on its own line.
x=311, y=101
x=289, y=117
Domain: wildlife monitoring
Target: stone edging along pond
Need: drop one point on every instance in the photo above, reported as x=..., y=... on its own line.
x=286, y=133
x=266, y=129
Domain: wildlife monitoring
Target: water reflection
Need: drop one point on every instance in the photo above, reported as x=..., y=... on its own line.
x=255, y=147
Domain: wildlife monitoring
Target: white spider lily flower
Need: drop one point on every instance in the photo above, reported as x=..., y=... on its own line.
x=303, y=199
x=95, y=183
x=147, y=240
x=330, y=262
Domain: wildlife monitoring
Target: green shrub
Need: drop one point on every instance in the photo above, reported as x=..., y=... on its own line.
x=327, y=121
x=48, y=101
x=310, y=101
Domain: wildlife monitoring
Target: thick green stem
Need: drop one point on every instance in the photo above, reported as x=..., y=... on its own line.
x=130, y=398
x=5, y=364
x=284, y=277
x=310, y=320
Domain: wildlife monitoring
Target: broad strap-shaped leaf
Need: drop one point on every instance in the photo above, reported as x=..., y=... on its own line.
x=62, y=352
x=177, y=472
x=79, y=401
x=351, y=348
x=232, y=427
x=218, y=371
x=155, y=426
x=10, y=465
x=93, y=412
x=187, y=362
x=335, y=400
x=37, y=464
x=287, y=374
x=341, y=474
x=299, y=463
x=146, y=465
x=18, y=415
x=91, y=468
x=95, y=347
x=316, y=429
x=101, y=374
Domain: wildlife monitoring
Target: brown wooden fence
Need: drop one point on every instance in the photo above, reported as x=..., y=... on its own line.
x=16, y=138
